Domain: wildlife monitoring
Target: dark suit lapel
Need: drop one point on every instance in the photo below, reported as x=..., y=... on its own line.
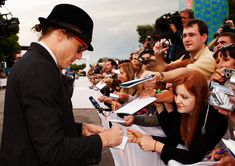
x=42, y=51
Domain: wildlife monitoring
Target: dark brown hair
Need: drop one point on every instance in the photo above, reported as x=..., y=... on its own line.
x=46, y=29
x=225, y=51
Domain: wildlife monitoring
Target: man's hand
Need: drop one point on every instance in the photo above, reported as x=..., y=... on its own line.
x=90, y=129
x=111, y=137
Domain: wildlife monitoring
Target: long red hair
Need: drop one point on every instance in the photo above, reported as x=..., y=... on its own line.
x=196, y=84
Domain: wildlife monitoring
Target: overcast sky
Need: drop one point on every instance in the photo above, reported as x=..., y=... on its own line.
x=115, y=21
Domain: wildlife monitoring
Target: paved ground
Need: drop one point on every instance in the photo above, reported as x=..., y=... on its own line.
x=81, y=115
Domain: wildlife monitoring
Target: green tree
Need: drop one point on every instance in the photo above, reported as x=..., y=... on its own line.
x=75, y=67
x=9, y=47
x=144, y=31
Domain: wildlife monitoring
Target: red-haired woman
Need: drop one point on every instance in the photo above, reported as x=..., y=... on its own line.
x=194, y=124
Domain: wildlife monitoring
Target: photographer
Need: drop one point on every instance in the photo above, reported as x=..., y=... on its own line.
x=226, y=27
x=186, y=16
x=169, y=27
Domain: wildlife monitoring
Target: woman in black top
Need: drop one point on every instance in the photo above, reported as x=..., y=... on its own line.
x=193, y=124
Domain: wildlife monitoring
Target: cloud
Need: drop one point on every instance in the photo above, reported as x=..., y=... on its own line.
x=115, y=21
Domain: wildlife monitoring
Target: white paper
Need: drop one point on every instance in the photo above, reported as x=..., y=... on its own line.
x=132, y=83
x=117, y=121
x=123, y=144
x=135, y=105
x=202, y=163
x=114, y=96
x=100, y=85
x=230, y=144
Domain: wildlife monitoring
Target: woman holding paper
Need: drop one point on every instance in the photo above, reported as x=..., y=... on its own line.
x=193, y=124
x=151, y=108
x=225, y=58
x=127, y=73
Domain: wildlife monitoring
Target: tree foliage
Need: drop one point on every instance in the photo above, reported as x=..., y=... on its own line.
x=144, y=31
x=9, y=47
x=75, y=67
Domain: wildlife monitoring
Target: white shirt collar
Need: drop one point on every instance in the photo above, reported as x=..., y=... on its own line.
x=49, y=50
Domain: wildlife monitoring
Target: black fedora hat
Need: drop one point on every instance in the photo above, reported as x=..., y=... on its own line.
x=73, y=19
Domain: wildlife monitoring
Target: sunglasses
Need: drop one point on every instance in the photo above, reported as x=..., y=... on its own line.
x=82, y=47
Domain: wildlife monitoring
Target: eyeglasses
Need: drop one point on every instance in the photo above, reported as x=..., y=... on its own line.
x=190, y=35
x=82, y=47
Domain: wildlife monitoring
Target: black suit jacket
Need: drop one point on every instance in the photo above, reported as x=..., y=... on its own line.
x=39, y=127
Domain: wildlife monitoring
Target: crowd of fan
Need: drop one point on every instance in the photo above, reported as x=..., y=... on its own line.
x=183, y=69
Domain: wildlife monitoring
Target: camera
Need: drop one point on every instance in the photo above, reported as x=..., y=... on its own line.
x=8, y=26
x=162, y=24
x=226, y=27
x=148, y=42
x=228, y=73
x=220, y=96
x=167, y=43
x=167, y=17
x=2, y=2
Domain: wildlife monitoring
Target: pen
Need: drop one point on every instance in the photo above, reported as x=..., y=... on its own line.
x=219, y=152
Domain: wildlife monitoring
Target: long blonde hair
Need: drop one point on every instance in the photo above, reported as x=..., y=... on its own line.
x=129, y=69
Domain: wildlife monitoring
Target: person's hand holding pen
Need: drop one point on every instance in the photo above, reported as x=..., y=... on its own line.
x=217, y=154
x=225, y=159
